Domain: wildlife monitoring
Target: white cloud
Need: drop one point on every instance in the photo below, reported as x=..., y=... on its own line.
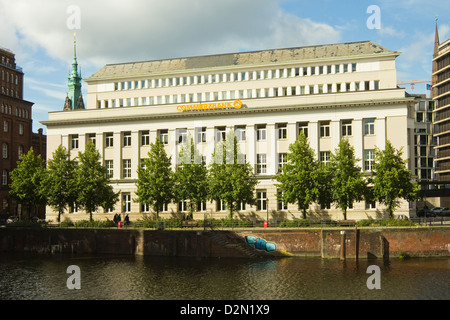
x=116, y=31
x=416, y=57
x=390, y=31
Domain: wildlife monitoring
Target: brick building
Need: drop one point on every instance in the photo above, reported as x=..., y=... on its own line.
x=16, y=128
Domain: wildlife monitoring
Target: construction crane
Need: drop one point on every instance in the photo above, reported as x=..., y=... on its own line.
x=413, y=82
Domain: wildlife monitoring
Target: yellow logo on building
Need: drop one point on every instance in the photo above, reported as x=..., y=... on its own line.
x=237, y=104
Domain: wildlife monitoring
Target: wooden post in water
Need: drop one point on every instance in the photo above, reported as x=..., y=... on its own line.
x=356, y=243
x=342, y=255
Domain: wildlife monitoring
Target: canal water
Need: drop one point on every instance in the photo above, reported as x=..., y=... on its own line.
x=105, y=277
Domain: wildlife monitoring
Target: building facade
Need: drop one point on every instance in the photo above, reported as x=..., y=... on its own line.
x=16, y=127
x=424, y=140
x=267, y=97
x=441, y=93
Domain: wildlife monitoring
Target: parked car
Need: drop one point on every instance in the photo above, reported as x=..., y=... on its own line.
x=441, y=211
x=426, y=213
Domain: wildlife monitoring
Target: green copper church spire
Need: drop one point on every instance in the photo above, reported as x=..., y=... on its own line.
x=74, y=99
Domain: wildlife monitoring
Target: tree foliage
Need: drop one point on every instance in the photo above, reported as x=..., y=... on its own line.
x=299, y=176
x=391, y=178
x=92, y=183
x=155, y=179
x=60, y=183
x=347, y=184
x=27, y=181
x=190, y=177
x=231, y=178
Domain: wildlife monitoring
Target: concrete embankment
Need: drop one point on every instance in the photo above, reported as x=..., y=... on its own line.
x=249, y=243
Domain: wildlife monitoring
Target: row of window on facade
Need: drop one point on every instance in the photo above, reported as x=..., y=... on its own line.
x=235, y=76
x=19, y=112
x=6, y=127
x=10, y=78
x=242, y=94
x=261, y=166
x=220, y=205
x=220, y=133
x=5, y=150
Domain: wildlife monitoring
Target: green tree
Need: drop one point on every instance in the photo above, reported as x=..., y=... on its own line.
x=27, y=181
x=298, y=177
x=230, y=177
x=190, y=177
x=60, y=183
x=348, y=184
x=155, y=179
x=391, y=178
x=93, y=186
x=324, y=176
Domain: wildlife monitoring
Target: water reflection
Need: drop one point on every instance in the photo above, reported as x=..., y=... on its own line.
x=31, y=277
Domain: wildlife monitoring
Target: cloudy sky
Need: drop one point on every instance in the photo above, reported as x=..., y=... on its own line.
x=40, y=33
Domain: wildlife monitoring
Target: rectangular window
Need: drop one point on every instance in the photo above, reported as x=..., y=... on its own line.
x=5, y=150
x=91, y=138
x=324, y=129
x=164, y=207
x=182, y=206
x=5, y=178
x=220, y=134
x=109, y=164
x=127, y=139
x=201, y=134
x=74, y=142
x=109, y=140
x=325, y=156
x=221, y=205
x=145, y=207
x=126, y=202
x=302, y=127
x=261, y=197
x=126, y=168
x=240, y=133
x=20, y=129
x=282, y=160
x=369, y=126
x=281, y=204
x=164, y=136
x=261, y=163
x=376, y=85
x=346, y=128
x=261, y=132
x=369, y=159
x=145, y=138
x=201, y=206
x=182, y=135
x=282, y=131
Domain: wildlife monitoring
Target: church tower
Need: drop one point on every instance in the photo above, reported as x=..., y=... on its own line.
x=74, y=99
x=434, y=78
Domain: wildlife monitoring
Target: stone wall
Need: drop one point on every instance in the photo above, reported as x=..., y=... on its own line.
x=327, y=243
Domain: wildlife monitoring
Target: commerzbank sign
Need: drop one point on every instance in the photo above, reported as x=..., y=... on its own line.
x=237, y=104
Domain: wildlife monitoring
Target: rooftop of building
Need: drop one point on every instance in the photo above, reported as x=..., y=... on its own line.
x=251, y=58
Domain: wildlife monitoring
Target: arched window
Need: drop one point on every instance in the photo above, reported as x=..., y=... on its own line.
x=5, y=150
x=5, y=177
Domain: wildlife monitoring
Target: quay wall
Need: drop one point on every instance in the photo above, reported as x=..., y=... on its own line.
x=326, y=243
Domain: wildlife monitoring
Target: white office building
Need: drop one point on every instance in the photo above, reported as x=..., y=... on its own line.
x=267, y=97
